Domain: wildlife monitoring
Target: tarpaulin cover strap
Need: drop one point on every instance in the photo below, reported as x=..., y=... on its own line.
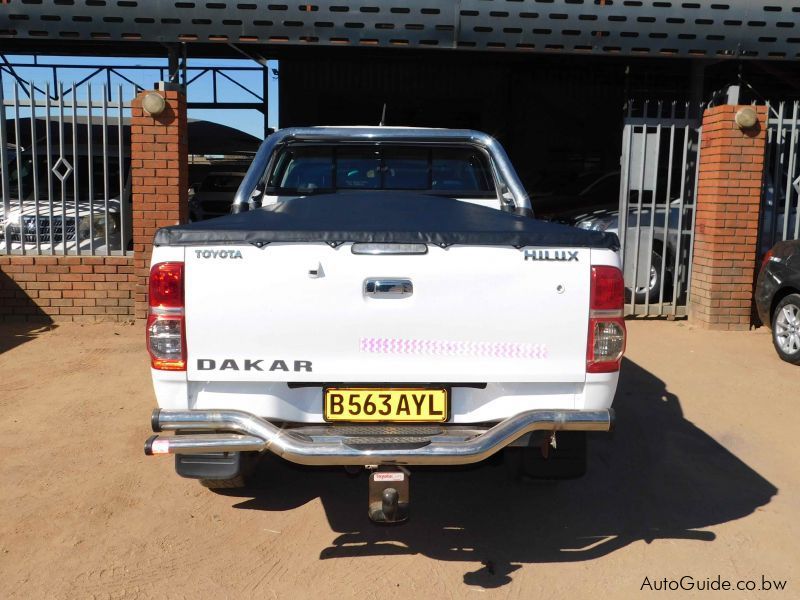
x=381, y=217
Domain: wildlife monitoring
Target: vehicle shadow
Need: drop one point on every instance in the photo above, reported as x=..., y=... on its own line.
x=20, y=318
x=656, y=477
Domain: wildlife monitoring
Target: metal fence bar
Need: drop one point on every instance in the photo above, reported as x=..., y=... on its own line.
x=667, y=205
x=61, y=177
x=90, y=167
x=49, y=149
x=789, y=174
x=653, y=208
x=4, y=179
x=694, y=210
x=625, y=181
x=121, y=170
x=75, y=176
x=20, y=194
x=105, y=162
x=35, y=169
x=639, y=213
x=624, y=187
x=780, y=133
x=684, y=164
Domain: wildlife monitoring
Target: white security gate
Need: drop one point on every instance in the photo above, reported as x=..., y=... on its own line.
x=660, y=154
x=64, y=171
x=781, y=188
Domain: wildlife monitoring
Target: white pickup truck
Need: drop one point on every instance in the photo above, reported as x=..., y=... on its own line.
x=382, y=297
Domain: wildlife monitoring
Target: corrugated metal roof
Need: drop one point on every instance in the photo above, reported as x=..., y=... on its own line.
x=764, y=29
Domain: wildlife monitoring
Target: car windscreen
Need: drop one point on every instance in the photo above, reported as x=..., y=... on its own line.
x=450, y=171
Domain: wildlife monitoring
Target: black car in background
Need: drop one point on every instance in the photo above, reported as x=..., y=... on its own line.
x=213, y=196
x=777, y=298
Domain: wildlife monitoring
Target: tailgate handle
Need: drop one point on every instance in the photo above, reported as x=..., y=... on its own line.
x=388, y=288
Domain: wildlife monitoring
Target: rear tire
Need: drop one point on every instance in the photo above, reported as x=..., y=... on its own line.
x=786, y=329
x=567, y=461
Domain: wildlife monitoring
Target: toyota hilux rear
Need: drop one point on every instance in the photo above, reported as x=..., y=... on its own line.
x=382, y=320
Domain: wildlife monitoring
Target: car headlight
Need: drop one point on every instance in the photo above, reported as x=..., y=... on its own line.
x=598, y=224
x=97, y=226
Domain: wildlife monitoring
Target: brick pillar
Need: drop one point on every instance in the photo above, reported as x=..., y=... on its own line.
x=726, y=232
x=159, y=175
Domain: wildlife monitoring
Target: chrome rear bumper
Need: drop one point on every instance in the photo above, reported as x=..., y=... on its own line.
x=235, y=431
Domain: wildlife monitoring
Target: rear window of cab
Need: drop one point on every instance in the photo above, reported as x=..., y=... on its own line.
x=451, y=171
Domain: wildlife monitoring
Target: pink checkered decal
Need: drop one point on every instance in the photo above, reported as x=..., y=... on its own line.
x=452, y=348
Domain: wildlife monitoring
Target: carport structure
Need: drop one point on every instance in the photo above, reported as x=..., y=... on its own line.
x=635, y=91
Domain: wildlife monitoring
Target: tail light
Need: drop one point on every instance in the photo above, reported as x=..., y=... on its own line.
x=606, y=343
x=166, y=336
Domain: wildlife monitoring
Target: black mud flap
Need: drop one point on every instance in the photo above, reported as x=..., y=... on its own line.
x=389, y=495
x=213, y=465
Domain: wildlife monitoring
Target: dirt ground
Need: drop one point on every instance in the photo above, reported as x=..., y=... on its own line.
x=700, y=478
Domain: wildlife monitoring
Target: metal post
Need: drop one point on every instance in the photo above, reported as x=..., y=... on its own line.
x=35, y=164
x=265, y=97
x=173, y=64
x=667, y=211
x=20, y=191
x=4, y=170
x=90, y=165
x=790, y=167
x=75, y=177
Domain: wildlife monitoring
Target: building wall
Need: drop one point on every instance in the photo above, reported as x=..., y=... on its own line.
x=66, y=288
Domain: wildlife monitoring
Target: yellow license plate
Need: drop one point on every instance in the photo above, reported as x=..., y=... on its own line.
x=412, y=405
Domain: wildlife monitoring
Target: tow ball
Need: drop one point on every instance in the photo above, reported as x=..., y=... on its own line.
x=389, y=494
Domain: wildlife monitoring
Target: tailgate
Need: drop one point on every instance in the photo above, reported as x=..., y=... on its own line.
x=299, y=313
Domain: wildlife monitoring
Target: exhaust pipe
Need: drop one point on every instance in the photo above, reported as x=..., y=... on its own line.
x=252, y=433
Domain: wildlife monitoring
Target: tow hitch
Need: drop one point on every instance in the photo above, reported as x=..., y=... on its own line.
x=389, y=494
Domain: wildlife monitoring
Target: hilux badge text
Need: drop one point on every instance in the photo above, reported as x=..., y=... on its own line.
x=561, y=255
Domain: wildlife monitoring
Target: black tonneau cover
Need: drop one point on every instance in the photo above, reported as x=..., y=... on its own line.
x=381, y=217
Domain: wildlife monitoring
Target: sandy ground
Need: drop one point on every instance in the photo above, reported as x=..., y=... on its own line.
x=701, y=478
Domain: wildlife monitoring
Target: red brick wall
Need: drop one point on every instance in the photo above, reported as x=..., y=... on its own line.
x=726, y=233
x=66, y=288
x=159, y=172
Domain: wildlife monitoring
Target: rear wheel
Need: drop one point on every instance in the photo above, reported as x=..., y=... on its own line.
x=566, y=461
x=786, y=329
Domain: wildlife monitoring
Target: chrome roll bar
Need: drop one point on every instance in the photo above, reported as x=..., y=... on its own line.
x=501, y=164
